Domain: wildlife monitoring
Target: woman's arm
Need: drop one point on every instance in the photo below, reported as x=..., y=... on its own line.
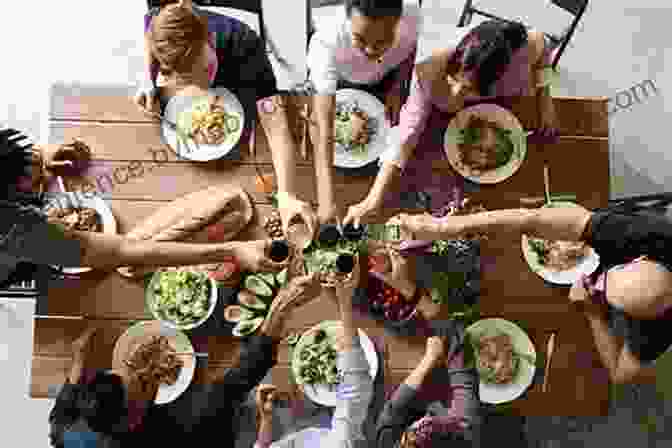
x=272, y=114
x=412, y=123
x=325, y=115
x=540, y=61
x=46, y=243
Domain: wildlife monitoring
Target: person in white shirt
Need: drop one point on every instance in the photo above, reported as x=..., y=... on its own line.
x=354, y=393
x=370, y=45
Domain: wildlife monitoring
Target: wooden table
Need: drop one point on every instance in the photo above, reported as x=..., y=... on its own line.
x=123, y=140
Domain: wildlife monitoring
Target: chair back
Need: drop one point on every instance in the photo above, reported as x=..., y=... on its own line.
x=574, y=7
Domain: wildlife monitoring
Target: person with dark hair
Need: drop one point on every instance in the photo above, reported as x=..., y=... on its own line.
x=627, y=300
x=28, y=241
x=416, y=415
x=186, y=45
x=369, y=45
x=115, y=408
x=493, y=59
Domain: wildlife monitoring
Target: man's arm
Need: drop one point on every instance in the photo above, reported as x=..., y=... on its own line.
x=566, y=223
x=621, y=363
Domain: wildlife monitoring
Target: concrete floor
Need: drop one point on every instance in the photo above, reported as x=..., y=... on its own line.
x=618, y=45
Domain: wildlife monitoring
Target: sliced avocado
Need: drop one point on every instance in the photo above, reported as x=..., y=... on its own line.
x=247, y=327
x=235, y=313
x=268, y=278
x=257, y=285
x=249, y=299
x=282, y=278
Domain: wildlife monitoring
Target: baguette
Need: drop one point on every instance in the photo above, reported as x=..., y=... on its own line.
x=216, y=213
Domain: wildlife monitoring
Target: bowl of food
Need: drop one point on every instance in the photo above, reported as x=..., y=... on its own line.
x=209, y=123
x=505, y=359
x=181, y=298
x=485, y=144
x=80, y=212
x=360, y=129
x=159, y=354
x=559, y=262
x=314, y=361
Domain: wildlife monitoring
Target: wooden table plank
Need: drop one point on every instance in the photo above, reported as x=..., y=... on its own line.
x=576, y=116
x=52, y=361
x=588, y=179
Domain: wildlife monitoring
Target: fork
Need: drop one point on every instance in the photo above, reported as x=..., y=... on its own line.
x=174, y=127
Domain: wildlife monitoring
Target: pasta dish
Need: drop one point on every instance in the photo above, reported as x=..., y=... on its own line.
x=75, y=219
x=211, y=124
x=558, y=255
x=155, y=362
x=497, y=362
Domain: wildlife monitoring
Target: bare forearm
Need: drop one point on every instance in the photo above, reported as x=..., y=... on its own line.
x=283, y=146
x=420, y=373
x=325, y=112
x=349, y=328
x=608, y=346
x=567, y=224
x=76, y=370
x=108, y=251
x=388, y=174
x=265, y=432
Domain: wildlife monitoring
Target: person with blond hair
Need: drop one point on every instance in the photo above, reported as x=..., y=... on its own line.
x=187, y=46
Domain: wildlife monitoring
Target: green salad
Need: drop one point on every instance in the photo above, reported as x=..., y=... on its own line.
x=317, y=361
x=322, y=260
x=504, y=146
x=181, y=296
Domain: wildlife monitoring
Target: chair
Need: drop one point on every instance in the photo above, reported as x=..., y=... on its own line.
x=253, y=6
x=574, y=7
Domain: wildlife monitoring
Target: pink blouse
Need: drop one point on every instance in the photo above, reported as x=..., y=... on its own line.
x=415, y=113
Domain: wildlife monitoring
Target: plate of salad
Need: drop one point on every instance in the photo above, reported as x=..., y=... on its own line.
x=505, y=359
x=181, y=298
x=485, y=143
x=360, y=128
x=559, y=262
x=253, y=301
x=314, y=361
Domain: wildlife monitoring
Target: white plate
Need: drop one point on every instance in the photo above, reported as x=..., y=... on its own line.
x=178, y=111
x=323, y=394
x=84, y=200
x=139, y=333
x=502, y=393
x=149, y=295
x=505, y=120
x=587, y=266
x=374, y=108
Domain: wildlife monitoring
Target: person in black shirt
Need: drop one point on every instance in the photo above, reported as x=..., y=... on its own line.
x=108, y=407
x=628, y=301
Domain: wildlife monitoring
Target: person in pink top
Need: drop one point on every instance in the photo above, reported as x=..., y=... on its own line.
x=494, y=59
x=369, y=46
